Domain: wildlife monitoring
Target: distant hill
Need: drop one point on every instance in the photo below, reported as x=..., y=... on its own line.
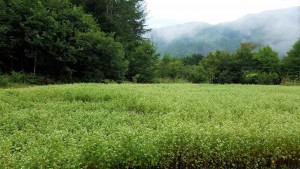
x=278, y=28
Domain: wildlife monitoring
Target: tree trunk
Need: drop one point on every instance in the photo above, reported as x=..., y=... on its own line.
x=12, y=62
x=34, y=64
x=107, y=9
x=111, y=10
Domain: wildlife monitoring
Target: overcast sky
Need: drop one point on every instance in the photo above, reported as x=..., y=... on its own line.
x=169, y=12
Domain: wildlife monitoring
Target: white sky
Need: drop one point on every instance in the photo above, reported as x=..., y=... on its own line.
x=170, y=12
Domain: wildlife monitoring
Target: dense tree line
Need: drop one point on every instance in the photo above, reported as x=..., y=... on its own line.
x=75, y=40
x=95, y=41
x=247, y=65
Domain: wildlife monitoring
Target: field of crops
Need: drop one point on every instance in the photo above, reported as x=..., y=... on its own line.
x=150, y=126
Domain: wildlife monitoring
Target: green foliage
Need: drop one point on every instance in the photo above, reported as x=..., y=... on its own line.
x=150, y=126
x=16, y=78
x=55, y=39
x=266, y=69
x=99, y=57
x=46, y=32
x=192, y=60
x=291, y=63
x=58, y=39
x=125, y=20
x=142, y=63
x=166, y=67
x=4, y=81
x=244, y=66
x=187, y=69
x=266, y=60
x=195, y=74
x=244, y=56
x=221, y=67
x=270, y=78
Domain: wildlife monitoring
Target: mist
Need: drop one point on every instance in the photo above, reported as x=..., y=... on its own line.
x=278, y=28
x=170, y=33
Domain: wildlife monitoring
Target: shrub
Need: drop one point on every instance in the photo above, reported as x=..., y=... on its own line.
x=262, y=78
x=4, y=81
x=23, y=78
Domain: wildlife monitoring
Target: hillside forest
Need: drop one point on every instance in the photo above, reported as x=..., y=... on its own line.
x=278, y=28
x=64, y=41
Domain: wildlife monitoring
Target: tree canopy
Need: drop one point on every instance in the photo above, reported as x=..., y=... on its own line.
x=73, y=40
x=291, y=63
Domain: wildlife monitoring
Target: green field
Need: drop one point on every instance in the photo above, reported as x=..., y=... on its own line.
x=150, y=126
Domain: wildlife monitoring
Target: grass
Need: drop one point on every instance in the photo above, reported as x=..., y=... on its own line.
x=150, y=126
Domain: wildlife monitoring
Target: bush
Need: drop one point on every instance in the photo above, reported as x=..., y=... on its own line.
x=22, y=78
x=262, y=78
x=195, y=74
x=288, y=82
x=4, y=81
x=17, y=77
x=268, y=78
x=170, y=80
x=35, y=80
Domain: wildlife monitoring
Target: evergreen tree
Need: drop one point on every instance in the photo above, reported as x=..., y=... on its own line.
x=125, y=20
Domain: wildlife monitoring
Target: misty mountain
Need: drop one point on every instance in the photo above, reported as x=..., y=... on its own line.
x=278, y=28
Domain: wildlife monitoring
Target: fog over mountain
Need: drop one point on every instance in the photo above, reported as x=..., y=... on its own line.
x=278, y=28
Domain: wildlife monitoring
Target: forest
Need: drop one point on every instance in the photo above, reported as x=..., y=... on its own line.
x=65, y=41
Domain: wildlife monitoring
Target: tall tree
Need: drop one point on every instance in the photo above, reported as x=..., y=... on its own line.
x=12, y=45
x=220, y=68
x=265, y=69
x=291, y=63
x=142, y=63
x=170, y=67
x=48, y=37
x=99, y=58
x=244, y=62
x=266, y=60
x=245, y=55
x=125, y=20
